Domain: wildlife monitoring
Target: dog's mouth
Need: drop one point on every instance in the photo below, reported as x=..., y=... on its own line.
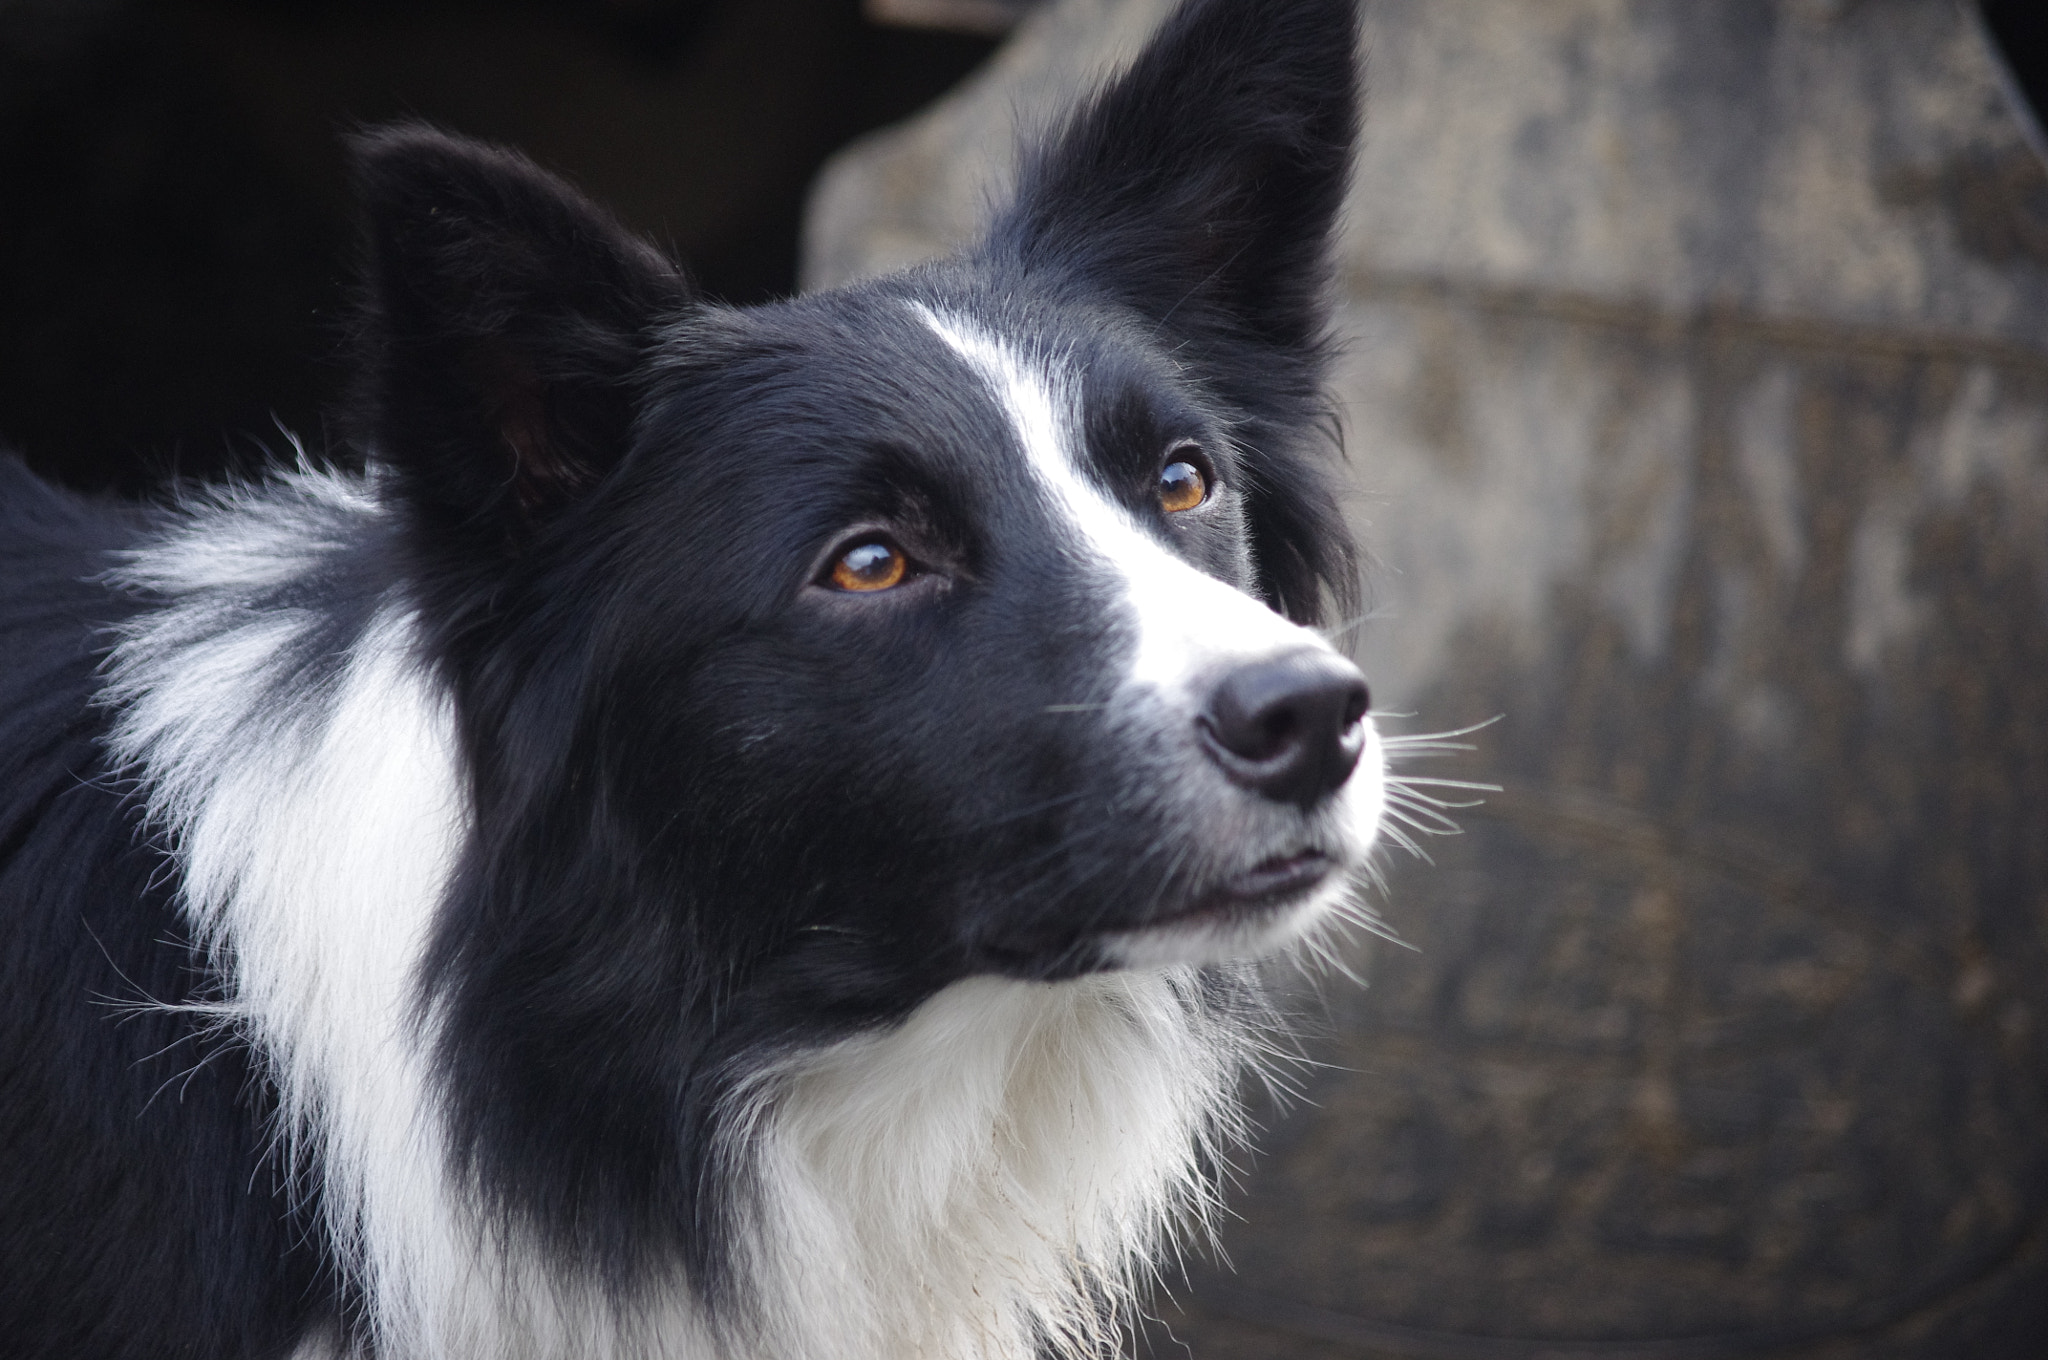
x=1282, y=877
x=1249, y=913
x=1270, y=886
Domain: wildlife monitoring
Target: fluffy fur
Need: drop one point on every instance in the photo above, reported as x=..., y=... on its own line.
x=516, y=900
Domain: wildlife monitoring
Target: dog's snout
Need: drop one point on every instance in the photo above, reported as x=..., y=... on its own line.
x=1288, y=727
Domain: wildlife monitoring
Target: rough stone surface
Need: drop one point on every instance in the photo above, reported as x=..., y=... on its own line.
x=1696, y=395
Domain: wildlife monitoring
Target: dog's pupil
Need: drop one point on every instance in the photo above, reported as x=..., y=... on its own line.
x=869, y=566
x=1181, y=487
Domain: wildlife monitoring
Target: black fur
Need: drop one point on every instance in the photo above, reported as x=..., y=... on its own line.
x=719, y=813
x=141, y=1212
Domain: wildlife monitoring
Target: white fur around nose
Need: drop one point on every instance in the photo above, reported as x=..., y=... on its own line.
x=1189, y=625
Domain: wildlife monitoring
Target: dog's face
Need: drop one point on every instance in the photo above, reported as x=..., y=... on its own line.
x=954, y=623
x=937, y=618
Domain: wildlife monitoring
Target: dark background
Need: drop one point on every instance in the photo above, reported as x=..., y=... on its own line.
x=2020, y=28
x=175, y=223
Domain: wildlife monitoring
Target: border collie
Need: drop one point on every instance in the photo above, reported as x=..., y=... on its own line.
x=712, y=832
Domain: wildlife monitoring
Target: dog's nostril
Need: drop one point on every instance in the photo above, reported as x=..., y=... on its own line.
x=1361, y=702
x=1278, y=730
x=1288, y=727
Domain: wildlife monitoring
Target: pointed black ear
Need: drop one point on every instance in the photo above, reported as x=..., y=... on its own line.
x=1203, y=184
x=503, y=320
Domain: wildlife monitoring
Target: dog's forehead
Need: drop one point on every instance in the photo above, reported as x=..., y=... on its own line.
x=824, y=386
x=941, y=374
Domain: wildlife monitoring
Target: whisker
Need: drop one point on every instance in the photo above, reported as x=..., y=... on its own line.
x=1422, y=750
x=1332, y=632
x=1405, y=841
x=1410, y=804
x=1423, y=798
x=1413, y=798
x=1356, y=913
x=1442, y=804
x=1328, y=957
x=1428, y=821
x=1414, y=739
x=1433, y=782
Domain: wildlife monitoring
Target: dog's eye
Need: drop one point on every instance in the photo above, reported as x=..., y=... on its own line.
x=876, y=564
x=1183, y=484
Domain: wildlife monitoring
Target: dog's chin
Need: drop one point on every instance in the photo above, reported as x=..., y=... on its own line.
x=1258, y=912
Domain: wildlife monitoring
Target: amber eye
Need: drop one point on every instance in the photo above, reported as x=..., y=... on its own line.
x=1182, y=486
x=874, y=565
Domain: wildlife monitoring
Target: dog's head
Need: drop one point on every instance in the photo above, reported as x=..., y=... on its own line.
x=957, y=622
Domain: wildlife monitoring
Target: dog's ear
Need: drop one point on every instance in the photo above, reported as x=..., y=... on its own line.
x=1203, y=184
x=1201, y=188
x=504, y=318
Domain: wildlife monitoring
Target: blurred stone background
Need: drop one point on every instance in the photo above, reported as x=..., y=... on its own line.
x=1696, y=401
x=1696, y=398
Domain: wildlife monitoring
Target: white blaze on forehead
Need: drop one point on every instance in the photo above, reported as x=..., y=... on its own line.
x=1188, y=623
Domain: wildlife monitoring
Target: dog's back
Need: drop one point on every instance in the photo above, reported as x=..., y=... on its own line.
x=140, y=1215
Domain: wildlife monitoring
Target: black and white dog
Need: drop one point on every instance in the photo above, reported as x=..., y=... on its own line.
x=741, y=833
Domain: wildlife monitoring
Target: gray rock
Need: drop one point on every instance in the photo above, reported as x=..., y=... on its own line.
x=1696, y=398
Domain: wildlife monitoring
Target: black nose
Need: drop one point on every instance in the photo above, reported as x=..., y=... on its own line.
x=1288, y=727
